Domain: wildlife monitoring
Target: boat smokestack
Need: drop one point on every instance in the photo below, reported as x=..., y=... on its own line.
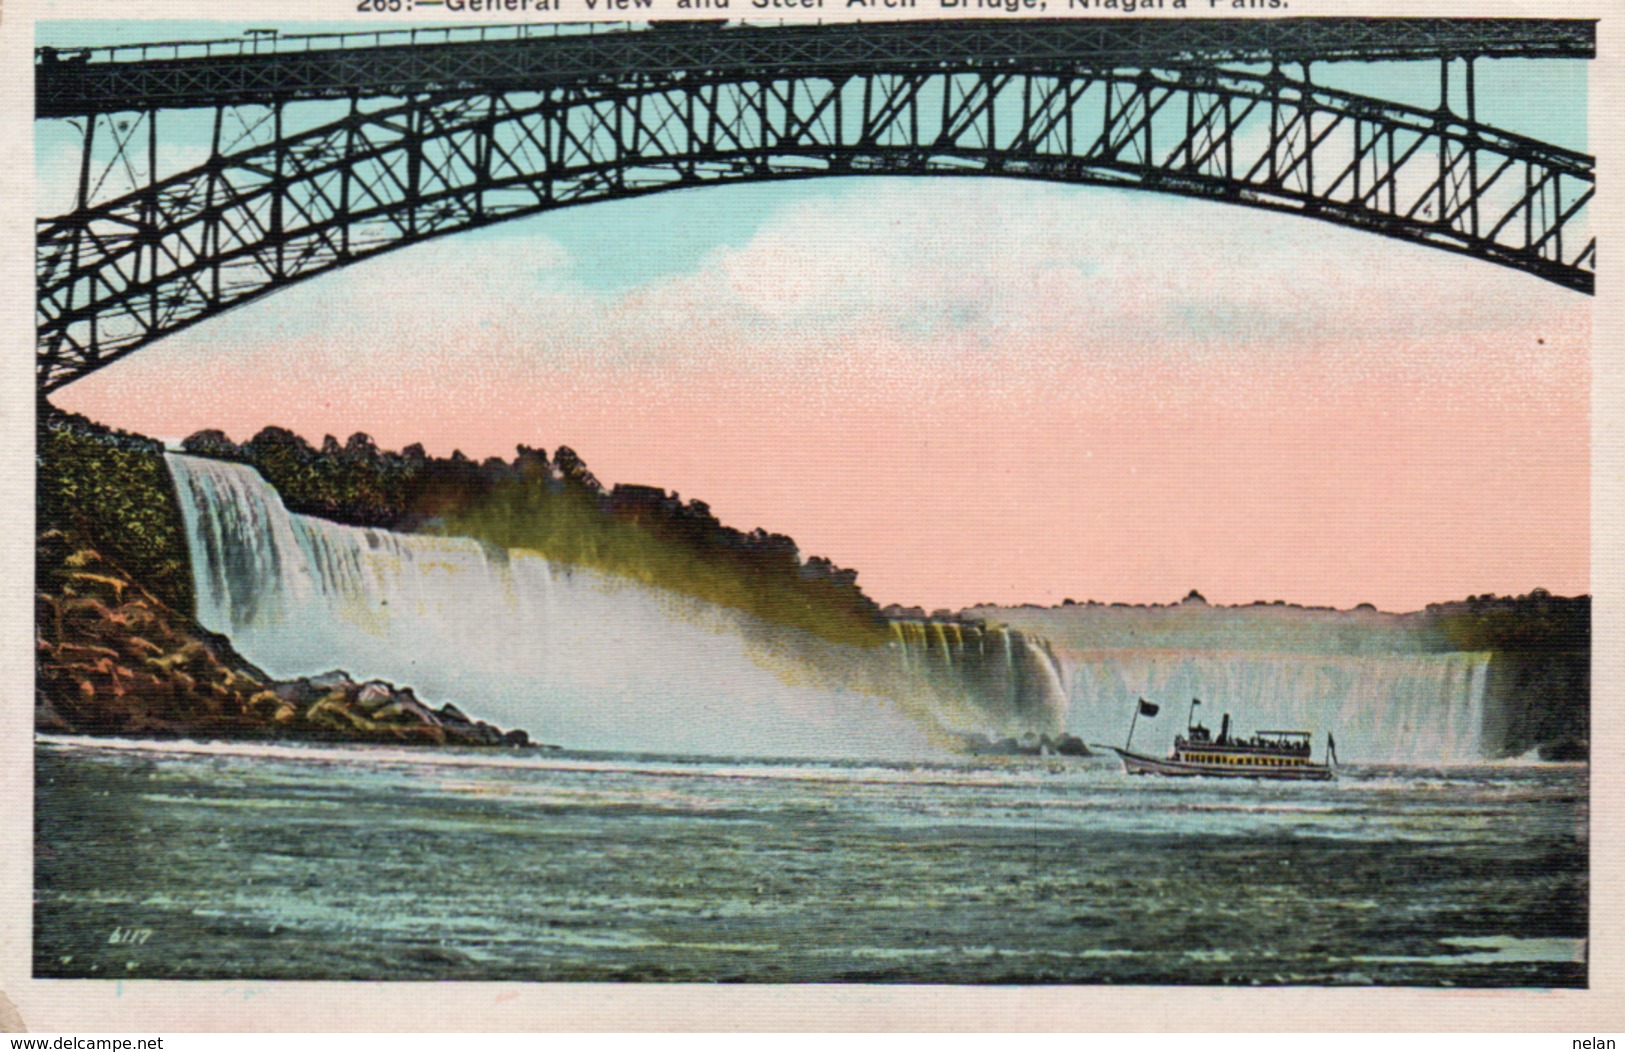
x=1224, y=729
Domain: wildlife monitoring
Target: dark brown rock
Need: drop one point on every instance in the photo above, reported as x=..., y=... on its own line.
x=111, y=658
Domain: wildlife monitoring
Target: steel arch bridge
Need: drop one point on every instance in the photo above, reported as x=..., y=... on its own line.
x=328, y=150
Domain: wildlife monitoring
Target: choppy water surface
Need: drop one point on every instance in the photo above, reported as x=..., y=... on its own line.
x=183, y=861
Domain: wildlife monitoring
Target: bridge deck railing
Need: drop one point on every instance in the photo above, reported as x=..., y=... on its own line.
x=271, y=42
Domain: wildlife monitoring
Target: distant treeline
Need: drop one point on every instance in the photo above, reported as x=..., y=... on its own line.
x=556, y=507
x=1535, y=623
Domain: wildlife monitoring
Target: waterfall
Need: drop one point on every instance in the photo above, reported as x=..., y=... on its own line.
x=596, y=661
x=570, y=654
x=1015, y=690
x=1394, y=708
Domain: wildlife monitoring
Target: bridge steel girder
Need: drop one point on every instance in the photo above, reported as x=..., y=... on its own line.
x=117, y=275
x=239, y=72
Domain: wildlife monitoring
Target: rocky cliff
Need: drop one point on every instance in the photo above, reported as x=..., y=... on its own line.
x=117, y=649
x=113, y=658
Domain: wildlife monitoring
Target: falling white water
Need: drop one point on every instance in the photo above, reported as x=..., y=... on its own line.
x=1014, y=691
x=573, y=656
x=595, y=661
x=1395, y=708
x=579, y=657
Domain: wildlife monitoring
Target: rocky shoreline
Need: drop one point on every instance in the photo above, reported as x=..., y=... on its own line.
x=113, y=659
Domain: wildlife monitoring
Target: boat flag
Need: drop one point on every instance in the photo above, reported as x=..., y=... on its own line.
x=1145, y=708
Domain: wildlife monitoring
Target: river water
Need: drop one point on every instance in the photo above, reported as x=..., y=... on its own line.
x=179, y=860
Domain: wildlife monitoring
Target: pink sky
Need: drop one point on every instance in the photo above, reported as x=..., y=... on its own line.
x=980, y=392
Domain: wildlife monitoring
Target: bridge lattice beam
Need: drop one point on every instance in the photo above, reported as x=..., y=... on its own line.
x=115, y=276
x=77, y=82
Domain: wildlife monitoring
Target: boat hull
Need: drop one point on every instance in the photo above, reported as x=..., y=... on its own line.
x=1134, y=763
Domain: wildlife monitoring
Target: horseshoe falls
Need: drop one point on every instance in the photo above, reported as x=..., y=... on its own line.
x=1382, y=708
x=1391, y=688
x=579, y=657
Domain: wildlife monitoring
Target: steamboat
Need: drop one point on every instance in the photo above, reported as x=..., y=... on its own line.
x=1282, y=755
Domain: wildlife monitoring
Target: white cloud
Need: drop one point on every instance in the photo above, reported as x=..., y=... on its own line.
x=892, y=273
x=1014, y=259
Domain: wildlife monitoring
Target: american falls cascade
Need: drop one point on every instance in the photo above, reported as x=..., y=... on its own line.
x=575, y=656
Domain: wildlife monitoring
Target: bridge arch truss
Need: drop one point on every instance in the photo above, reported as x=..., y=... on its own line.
x=276, y=204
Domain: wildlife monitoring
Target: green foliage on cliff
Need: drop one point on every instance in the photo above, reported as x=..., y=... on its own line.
x=1535, y=623
x=110, y=491
x=559, y=510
